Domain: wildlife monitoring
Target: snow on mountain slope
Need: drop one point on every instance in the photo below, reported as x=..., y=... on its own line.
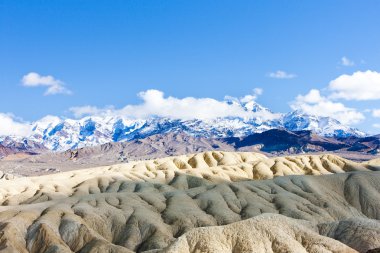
x=61, y=134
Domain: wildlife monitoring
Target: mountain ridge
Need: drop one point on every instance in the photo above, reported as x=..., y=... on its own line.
x=58, y=134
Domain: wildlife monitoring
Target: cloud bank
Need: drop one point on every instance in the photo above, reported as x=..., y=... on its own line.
x=316, y=104
x=9, y=125
x=155, y=104
x=359, y=86
x=54, y=86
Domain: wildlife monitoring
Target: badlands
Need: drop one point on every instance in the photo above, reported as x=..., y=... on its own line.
x=206, y=202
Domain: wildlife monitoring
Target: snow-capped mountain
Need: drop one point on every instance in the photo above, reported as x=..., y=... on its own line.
x=325, y=126
x=59, y=134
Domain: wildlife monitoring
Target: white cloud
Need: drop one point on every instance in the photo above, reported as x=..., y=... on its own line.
x=154, y=103
x=376, y=125
x=258, y=91
x=247, y=98
x=80, y=111
x=316, y=104
x=9, y=125
x=376, y=113
x=54, y=86
x=358, y=86
x=280, y=74
x=344, y=61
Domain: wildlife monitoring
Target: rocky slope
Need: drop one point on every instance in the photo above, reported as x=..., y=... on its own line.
x=158, y=205
x=10, y=146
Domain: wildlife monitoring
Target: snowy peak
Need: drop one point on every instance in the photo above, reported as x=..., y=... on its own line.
x=248, y=103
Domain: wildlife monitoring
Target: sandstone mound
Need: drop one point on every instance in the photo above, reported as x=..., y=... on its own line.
x=373, y=164
x=264, y=233
x=148, y=205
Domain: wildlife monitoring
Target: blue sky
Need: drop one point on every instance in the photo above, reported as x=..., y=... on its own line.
x=106, y=52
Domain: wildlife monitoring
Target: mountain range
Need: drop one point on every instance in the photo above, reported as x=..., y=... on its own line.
x=58, y=134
